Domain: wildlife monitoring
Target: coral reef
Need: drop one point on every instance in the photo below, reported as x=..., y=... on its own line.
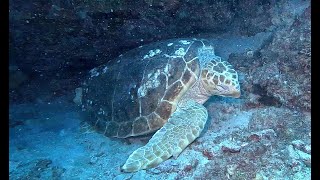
x=281, y=69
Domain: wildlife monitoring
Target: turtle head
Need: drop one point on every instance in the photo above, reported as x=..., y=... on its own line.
x=219, y=78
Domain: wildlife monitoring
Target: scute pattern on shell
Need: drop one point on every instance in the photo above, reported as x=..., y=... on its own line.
x=137, y=92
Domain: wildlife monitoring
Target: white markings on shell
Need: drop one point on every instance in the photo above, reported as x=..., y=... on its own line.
x=104, y=70
x=158, y=51
x=166, y=69
x=184, y=42
x=151, y=83
x=89, y=102
x=152, y=53
x=101, y=111
x=94, y=72
x=180, y=52
x=153, y=80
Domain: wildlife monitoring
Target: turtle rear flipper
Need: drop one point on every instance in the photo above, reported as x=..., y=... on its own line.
x=182, y=128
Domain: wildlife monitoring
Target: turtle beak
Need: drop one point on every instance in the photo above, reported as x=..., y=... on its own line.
x=235, y=94
x=229, y=91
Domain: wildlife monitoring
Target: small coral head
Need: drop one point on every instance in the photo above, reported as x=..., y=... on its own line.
x=219, y=78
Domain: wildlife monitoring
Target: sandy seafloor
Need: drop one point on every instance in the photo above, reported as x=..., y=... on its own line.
x=50, y=141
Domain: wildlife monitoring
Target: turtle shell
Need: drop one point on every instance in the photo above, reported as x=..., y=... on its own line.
x=137, y=92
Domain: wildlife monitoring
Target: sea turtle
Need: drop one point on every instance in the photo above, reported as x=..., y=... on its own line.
x=161, y=86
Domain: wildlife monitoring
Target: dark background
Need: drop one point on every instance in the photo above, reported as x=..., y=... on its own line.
x=53, y=44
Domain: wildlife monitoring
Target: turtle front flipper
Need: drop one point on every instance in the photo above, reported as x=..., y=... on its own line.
x=182, y=128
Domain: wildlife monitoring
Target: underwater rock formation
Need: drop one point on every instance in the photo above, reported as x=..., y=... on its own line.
x=65, y=39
